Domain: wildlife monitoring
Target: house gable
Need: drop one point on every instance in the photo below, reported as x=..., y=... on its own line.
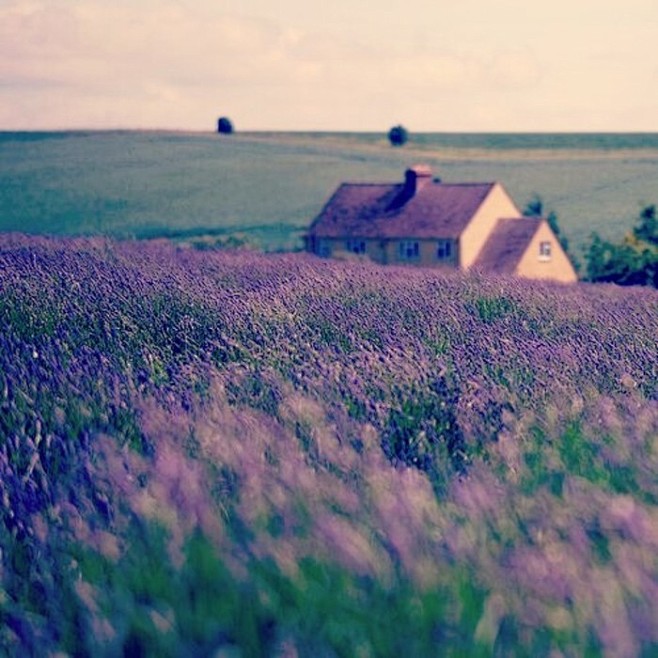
x=497, y=204
x=527, y=247
x=535, y=263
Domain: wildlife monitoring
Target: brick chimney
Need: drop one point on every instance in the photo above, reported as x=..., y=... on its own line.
x=415, y=178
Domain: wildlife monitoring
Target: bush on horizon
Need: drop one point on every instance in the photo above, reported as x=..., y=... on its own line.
x=398, y=135
x=224, y=126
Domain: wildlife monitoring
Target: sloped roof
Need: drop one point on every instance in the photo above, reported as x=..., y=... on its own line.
x=435, y=210
x=506, y=244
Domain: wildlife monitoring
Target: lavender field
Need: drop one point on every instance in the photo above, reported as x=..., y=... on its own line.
x=237, y=454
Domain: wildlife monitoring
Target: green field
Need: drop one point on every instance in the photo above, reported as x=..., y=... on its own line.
x=267, y=187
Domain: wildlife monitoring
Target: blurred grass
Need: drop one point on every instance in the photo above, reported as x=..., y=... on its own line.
x=231, y=454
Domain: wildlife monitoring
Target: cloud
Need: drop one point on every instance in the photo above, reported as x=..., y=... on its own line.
x=515, y=69
x=168, y=63
x=123, y=57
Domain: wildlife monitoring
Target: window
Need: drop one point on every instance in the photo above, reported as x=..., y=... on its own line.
x=409, y=250
x=545, y=250
x=325, y=249
x=356, y=246
x=444, y=250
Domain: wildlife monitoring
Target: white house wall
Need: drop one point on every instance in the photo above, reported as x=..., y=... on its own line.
x=497, y=205
x=556, y=268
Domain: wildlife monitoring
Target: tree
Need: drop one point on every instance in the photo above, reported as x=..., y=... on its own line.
x=224, y=126
x=633, y=261
x=398, y=135
x=647, y=230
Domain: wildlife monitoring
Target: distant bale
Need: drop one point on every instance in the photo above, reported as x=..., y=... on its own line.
x=224, y=126
x=398, y=135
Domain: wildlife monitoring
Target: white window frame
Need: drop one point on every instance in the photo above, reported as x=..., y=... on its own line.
x=409, y=250
x=545, y=250
x=444, y=250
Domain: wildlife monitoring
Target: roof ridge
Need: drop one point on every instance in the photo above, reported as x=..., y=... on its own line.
x=363, y=184
x=469, y=183
x=398, y=183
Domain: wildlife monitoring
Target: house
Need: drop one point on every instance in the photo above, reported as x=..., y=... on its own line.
x=423, y=221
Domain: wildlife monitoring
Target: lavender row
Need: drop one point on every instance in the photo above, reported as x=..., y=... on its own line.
x=472, y=456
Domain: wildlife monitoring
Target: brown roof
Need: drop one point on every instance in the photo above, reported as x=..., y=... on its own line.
x=434, y=210
x=506, y=244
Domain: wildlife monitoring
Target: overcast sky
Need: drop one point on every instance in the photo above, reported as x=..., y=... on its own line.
x=432, y=65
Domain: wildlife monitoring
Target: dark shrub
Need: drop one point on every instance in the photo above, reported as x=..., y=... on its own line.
x=398, y=136
x=224, y=126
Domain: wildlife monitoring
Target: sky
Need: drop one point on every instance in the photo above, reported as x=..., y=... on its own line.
x=347, y=65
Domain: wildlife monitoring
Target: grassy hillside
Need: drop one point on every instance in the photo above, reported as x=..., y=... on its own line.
x=267, y=188
x=232, y=454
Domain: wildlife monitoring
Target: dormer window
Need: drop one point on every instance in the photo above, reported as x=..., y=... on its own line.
x=545, y=250
x=444, y=250
x=409, y=250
